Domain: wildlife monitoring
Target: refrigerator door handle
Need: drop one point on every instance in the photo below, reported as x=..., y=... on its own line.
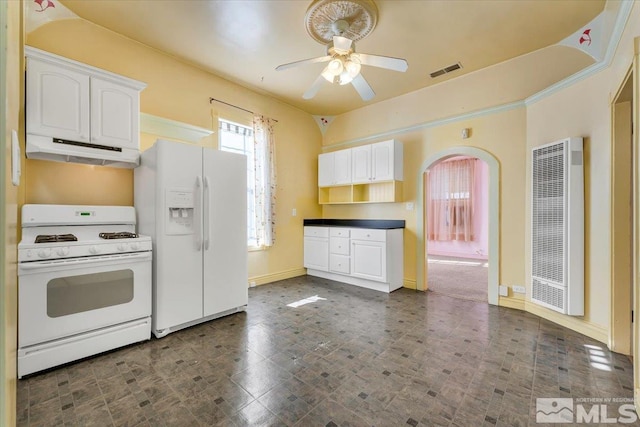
x=206, y=213
x=198, y=211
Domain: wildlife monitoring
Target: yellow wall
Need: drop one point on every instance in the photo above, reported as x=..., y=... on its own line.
x=582, y=109
x=12, y=83
x=503, y=136
x=178, y=91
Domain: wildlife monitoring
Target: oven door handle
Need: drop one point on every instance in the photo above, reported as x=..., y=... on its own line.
x=35, y=265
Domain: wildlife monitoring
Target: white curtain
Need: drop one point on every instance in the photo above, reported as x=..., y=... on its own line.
x=265, y=175
x=450, y=200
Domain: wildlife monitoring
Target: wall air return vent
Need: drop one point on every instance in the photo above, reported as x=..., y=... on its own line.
x=557, y=226
x=446, y=70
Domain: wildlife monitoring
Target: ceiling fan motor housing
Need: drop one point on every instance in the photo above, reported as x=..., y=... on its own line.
x=353, y=19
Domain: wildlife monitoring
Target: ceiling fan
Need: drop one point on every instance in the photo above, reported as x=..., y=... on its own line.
x=344, y=64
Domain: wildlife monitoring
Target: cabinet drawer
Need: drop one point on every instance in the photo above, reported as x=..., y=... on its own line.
x=316, y=231
x=369, y=234
x=339, y=264
x=339, y=232
x=339, y=245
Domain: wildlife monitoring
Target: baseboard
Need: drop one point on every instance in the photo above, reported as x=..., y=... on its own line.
x=281, y=275
x=518, y=304
x=410, y=283
x=597, y=332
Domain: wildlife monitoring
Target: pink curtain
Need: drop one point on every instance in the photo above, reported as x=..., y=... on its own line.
x=450, y=200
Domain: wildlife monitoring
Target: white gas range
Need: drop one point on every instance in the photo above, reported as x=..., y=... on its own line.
x=84, y=283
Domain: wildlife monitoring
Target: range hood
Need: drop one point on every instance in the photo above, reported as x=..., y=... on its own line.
x=48, y=148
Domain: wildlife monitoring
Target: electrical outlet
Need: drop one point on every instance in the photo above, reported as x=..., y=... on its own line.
x=252, y=284
x=518, y=289
x=503, y=290
x=409, y=206
x=294, y=212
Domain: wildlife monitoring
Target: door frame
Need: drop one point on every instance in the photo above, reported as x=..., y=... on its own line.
x=494, y=216
x=623, y=165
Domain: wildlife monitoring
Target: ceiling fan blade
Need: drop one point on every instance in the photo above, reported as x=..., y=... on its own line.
x=315, y=87
x=395, y=64
x=303, y=62
x=342, y=43
x=363, y=88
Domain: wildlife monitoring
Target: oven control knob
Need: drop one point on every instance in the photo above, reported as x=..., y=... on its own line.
x=94, y=249
x=134, y=246
x=44, y=253
x=122, y=247
x=62, y=251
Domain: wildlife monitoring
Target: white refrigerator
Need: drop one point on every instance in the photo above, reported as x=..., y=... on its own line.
x=192, y=201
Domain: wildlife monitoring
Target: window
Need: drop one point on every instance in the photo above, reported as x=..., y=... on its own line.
x=450, y=200
x=237, y=138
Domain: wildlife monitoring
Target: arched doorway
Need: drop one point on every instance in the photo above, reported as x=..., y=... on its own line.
x=456, y=226
x=493, y=229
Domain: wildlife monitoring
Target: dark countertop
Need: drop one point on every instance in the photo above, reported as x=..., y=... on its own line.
x=380, y=224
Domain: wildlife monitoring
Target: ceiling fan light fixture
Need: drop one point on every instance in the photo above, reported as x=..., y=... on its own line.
x=345, y=78
x=335, y=66
x=328, y=75
x=352, y=66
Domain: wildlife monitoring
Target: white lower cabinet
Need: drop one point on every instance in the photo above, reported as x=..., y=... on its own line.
x=370, y=258
x=316, y=248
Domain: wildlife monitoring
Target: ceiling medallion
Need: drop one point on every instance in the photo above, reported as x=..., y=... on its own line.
x=325, y=19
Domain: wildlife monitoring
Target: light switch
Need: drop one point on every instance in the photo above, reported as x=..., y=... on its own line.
x=294, y=212
x=409, y=206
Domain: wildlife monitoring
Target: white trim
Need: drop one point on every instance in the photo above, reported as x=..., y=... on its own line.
x=430, y=124
x=621, y=21
x=172, y=129
x=494, y=215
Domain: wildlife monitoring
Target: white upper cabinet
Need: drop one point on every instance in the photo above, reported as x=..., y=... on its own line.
x=381, y=161
x=57, y=101
x=325, y=170
x=361, y=164
x=79, y=104
x=114, y=114
x=334, y=168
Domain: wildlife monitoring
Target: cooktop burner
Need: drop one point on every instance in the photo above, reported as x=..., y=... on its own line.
x=49, y=238
x=119, y=235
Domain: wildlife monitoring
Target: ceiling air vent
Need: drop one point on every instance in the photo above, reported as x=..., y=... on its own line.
x=446, y=70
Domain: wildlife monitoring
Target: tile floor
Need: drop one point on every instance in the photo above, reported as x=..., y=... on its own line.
x=358, y=358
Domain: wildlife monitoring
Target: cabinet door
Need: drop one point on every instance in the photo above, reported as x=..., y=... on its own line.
x=325, y=169
x=57, y=101
x=316, y=253
x=114, y=115
x=361, y=164
x=382, y=161
x=368, y=260
x=342, y=167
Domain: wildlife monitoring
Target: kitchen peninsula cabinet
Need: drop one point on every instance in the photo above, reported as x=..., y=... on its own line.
x=366, y=253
